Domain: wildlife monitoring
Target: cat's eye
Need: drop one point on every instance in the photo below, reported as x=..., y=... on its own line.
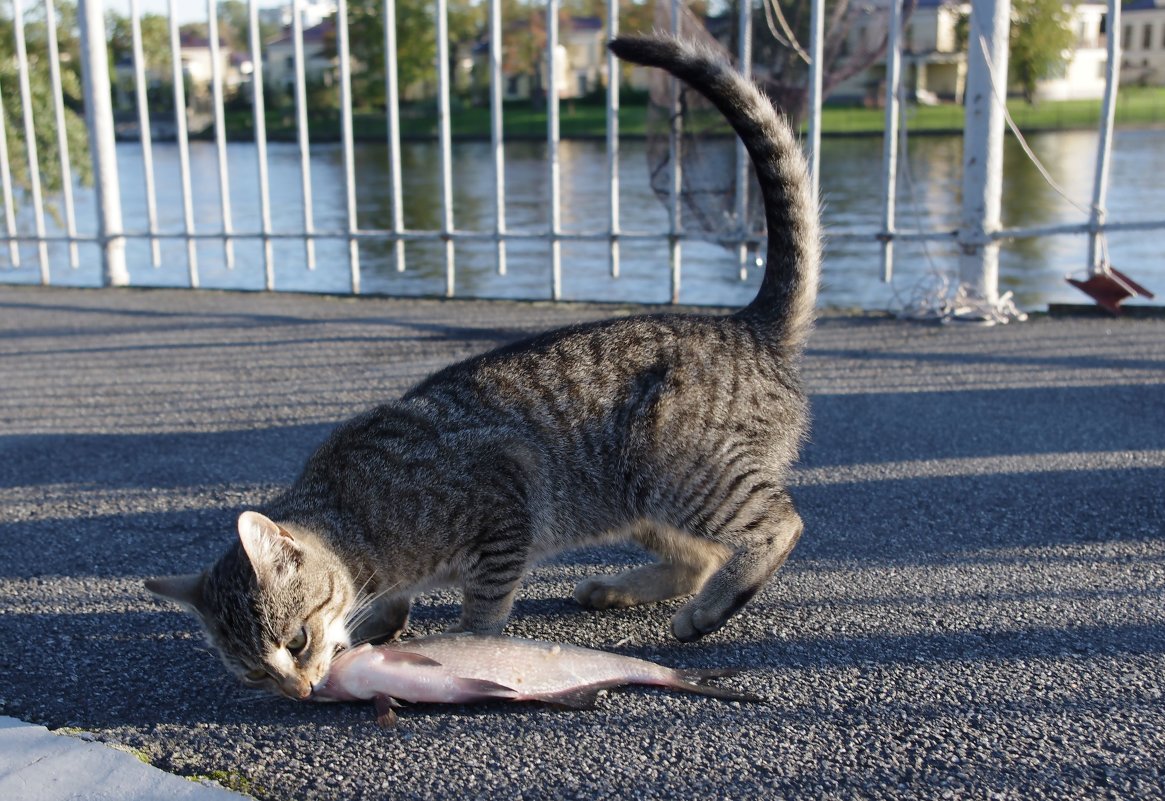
x=258, y=674
x=298, y=642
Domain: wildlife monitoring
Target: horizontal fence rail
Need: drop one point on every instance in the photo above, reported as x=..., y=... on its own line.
x=225, y=227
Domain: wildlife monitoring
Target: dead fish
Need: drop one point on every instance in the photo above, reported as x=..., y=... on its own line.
x=464, y=668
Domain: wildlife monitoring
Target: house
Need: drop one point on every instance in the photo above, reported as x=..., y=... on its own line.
x=579, y=63
x=319, y=42
x=1143, y=43
x=934, y=56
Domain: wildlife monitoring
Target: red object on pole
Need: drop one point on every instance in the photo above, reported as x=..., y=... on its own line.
x=1109, y=288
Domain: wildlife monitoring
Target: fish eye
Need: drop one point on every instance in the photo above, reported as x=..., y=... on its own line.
x=258, y=674
x=297, y=643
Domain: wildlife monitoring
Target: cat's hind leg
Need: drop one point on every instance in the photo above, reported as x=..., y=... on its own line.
x=763, y=533
x=685, y=564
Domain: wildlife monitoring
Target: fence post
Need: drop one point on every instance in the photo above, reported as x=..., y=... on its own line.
x=102, y=145
x=987, y=53
x=1096, y=257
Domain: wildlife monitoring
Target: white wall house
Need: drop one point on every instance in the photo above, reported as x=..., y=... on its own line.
x=1143, y=43
x=934, y=64
x=279, y=56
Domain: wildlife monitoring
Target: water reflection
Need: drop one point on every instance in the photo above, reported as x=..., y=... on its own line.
x=928, y=197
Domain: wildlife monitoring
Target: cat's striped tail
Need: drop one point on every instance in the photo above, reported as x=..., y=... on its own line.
x=788, y=291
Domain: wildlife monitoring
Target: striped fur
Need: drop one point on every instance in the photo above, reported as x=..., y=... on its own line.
x=676, y=431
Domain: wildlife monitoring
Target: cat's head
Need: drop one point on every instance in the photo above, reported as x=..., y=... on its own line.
x=274, y=607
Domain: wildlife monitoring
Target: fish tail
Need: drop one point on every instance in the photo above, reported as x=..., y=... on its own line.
x=695, y=681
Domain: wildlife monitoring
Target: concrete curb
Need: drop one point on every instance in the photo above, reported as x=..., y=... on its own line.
x=38, y=765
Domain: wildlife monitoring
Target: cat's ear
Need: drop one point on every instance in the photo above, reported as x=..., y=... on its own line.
x=269, y=547
x=184, y=590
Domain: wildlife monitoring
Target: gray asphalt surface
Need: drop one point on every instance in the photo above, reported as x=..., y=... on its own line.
x=976, y=609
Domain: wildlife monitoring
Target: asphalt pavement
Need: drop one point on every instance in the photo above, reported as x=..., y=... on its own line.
x=976, y=609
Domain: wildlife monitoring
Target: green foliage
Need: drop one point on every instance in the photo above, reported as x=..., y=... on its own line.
x=41, y=95
x=1041, y=42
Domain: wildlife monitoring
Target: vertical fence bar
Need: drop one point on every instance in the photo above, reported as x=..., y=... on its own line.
x=816, y=39
x=183, y=143
x=347, y=146
x=302, y=138
x=30, y=140
x=552, y=123
x=744, y=57
x=6, y=184
x=62, y=133
x=259, y=110
x=392, y=109
x=675, y=153
x=983, y=149
x=495, y=128
x=220, y=131
x=1096, y=256
x=446, y=142
x=102, y=143
x=613, y=136
x=890, y=137
x=145, y=133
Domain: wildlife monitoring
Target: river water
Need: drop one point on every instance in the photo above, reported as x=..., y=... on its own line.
x=850, y=170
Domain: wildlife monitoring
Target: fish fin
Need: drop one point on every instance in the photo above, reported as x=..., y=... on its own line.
x=580, y=698
x=484, y=689
x=386, y=707
x=401, y=656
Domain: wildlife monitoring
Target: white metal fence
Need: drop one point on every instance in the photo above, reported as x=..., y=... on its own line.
x=978, y=235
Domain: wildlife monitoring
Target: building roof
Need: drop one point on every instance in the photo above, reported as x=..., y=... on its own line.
x=312, y=35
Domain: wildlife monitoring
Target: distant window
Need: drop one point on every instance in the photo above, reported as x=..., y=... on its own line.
x=1146, y=36
x=1127, y=39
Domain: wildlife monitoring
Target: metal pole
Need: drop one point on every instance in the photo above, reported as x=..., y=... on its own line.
x=30, y=141
x=675, y=154
x=392, y=104
x=744, y=57
x=302, y=136
x=983, y=148
x=102, y=146
x=445, y=135
x=816, y=40
x=220, y=130
x=613, y=135
x=348, y=146
x=495, y=128
x=552, y=148
x=259, y=112
x=144, y=132
x=62, y=134
x=1096, y=256
x=890, y=136
x=183, y=144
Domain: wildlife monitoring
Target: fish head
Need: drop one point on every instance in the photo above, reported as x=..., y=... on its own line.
x=349, y=676
x=274, y=607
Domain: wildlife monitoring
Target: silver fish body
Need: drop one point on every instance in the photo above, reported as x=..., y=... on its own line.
x=464, y=668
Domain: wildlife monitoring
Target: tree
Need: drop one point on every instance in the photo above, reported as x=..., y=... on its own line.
x=1041, y=42
x=40, y=84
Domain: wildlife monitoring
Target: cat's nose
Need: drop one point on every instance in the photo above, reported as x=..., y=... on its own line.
x=295, y=687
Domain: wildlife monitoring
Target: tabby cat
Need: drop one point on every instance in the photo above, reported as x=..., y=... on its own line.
x=676, y=431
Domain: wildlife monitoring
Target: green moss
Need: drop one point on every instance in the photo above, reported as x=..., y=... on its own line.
x=232, y=780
